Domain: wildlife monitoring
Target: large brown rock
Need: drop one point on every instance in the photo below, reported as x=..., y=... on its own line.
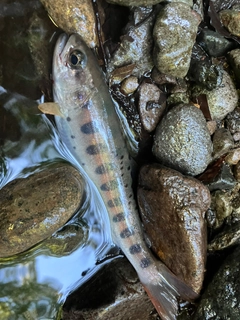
x=32, y=209
x=172, y=207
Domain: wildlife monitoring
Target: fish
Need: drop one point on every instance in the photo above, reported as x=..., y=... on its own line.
x=91, y=129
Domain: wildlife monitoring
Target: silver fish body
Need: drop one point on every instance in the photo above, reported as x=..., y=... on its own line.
x=92, y=131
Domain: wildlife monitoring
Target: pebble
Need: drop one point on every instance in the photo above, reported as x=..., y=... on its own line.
x=74, y=16
x=221, y=100
x=129, y=85
x=234, y=59
x=134, y=2
x=136, y=45
x=32, y=209
x=223, y=180
x=172, y=208
x=221, y=206
x=221, y=299
x=222, y=142
x=233, y=121
x=150, y=106
x=233, y=157
x=174, y=35
x=182, y=140
x=213, y=43
x=231, y=20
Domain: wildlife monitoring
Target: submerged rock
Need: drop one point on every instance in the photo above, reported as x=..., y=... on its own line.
x=32, y=209
x=174, y=35
x=183, y=141
x=172, y=207
x=221, y=300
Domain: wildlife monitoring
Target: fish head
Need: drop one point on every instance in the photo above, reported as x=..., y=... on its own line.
x=73, y=83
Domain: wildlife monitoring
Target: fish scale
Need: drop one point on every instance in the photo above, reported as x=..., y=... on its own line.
x=89, y=126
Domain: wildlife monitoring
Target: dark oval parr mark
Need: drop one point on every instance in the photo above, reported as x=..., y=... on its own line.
x=126, y=233
x=89, y=128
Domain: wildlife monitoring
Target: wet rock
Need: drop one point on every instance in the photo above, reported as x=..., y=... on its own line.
x=221, y=206
x=212, y=126
x=182, y=140
x=134, y=2
x=234, y=58
x=115, y=292
x=32, y=209
x=221, y=298
x=231, y=20
x=136, y=44
x=129, y=85
x=221, y=100
x=233, y=121
x=152, y=103
x=172, y=207
x=74, y=17
x=222, y=142
x=236, y=171
x=213, y=43
x=228, y=237
x=174, y=34
x=223, y=180
x=233, y=157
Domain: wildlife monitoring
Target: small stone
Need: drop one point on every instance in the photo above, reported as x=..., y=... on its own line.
x=236, y=171
x=221, y=100
x=129, y=85
x=222, y=142
x=228, y=237
x=231, y=20
x=223, y=180
x=221, y=298
x=134, y=2
x=233, y=121
x=32, y=209
x=182, y=140
x=234, y=59
x=174, y=35
x=150, y=106
x=233, y=157
x=172, y=207
x=214, y=44
x=221, y=205
x=212, y=126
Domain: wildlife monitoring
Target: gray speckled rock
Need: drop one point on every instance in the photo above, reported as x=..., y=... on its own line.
x=221, y=300
x=182, y=140
x=174, y=35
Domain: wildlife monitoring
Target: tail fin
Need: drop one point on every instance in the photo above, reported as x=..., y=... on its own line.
x=163, y=288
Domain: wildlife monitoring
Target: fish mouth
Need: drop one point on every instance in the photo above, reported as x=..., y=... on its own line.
x=58, y=51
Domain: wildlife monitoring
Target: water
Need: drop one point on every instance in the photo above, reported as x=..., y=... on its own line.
x=35, y=284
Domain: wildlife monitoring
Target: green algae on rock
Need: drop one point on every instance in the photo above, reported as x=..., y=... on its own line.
x=32, y=209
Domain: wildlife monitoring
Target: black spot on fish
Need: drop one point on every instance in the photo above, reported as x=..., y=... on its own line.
x=101, y=169
x=122, y=157
x=126, y=233
x=114, y=203
x=73, y=137
x=119, y=217
x=74, y=148
x=126, y=185
x=135, y=248
x=145, y=262
x=93, y=149
x=89, y=128
x=68, y=119
x=130, y=196
x=128, y=168
x=111, y=185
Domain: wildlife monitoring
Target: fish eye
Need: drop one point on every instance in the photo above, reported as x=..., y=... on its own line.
x=76, y=59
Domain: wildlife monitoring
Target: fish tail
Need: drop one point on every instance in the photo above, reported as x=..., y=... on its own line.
x=164, y=289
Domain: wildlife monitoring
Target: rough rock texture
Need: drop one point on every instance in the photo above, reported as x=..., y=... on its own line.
x=134, y=2
x=174, y=35
x=231, y=20
x=172, y=207
x=221, y=300
x=182, y=140
x=32, y=209
x=74, y=16
x=113, y=293
x=150, y=106
x=221, y=100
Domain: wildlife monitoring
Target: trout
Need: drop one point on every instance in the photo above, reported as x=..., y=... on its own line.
x=90, y=127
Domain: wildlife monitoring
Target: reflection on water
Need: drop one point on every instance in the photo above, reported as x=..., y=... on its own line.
x=34, y=284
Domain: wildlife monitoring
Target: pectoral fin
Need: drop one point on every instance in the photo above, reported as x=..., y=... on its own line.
x=51, y=108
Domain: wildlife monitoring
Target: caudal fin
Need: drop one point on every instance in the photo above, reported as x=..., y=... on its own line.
x=165, y=291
